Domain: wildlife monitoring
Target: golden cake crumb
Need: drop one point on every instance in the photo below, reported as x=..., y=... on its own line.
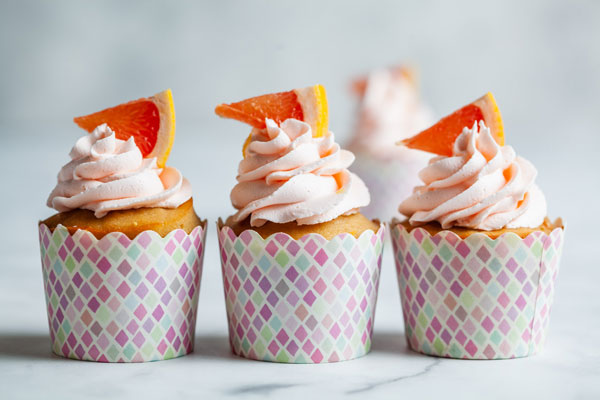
x=354, y=224
x=130, y=222
x=433, y=227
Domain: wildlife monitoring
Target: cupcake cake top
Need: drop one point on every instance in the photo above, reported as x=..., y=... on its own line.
x=390, y=109
x=292, y=170
x=120, y=164
x=475, y=181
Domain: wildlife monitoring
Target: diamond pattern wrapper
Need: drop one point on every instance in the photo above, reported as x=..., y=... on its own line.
x=476, y=298
x=122, y=300
x=310, y=300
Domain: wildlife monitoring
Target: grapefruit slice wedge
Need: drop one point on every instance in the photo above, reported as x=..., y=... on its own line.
x=439, y=139
x=149, y=120
x=308, y=104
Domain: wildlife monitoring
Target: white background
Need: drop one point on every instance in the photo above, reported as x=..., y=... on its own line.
x=61, y=59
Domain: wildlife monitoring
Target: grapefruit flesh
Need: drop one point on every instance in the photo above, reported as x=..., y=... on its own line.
x=439, y=138
x=253, y=111
x=308, y=104
x=150, y=121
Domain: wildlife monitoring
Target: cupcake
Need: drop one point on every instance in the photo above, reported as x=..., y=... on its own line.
x=477, y=257
x=122, y=258
x=300, y=263
x=390, y=109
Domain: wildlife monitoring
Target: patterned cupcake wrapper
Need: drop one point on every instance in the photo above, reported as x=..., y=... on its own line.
x=122, y=300
x=476, y=298
x=300, y=301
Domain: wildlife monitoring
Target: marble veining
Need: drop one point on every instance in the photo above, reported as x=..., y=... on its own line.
x=370, y=386
x=260, y=389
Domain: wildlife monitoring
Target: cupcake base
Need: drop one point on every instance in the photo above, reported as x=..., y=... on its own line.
x=477, y=297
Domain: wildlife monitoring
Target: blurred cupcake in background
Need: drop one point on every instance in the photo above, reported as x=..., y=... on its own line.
x=390, y=109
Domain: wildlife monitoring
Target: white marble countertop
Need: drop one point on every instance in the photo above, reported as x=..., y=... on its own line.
x=568, y=368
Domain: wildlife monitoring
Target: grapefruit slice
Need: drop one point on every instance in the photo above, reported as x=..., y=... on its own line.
x=149, y=120
x=307, y=104
x=439, y=139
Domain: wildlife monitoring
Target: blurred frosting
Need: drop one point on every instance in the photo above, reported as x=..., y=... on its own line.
x=390, y=110
x=481, y=186
x=288, y=175
x=106, y=174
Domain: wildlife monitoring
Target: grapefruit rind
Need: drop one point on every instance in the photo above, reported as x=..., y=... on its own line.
x=491, y=115
x=166, y=131
x=313, y=100
x=246, y=144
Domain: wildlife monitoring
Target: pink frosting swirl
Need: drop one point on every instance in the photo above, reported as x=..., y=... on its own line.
x=107, y=174
x=481, y=186
x=288, y=175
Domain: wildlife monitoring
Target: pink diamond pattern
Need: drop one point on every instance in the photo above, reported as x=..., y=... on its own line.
x=297, y=295
x=117, y=322
x=459, y=300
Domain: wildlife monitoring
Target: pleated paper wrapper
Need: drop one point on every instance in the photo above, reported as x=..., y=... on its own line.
x=122, y=300
x=476, y=298
x=310, y=300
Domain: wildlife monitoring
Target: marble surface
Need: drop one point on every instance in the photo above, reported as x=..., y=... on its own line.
x=568, y=368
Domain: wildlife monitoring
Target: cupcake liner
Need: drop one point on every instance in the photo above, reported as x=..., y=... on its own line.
x=476, y=298
x=310, y=300
x=389, y=181
x=122, y=300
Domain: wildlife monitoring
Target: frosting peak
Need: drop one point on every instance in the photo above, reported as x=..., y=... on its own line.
x=288, y=175
x=106, y=174
x=481, y=186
